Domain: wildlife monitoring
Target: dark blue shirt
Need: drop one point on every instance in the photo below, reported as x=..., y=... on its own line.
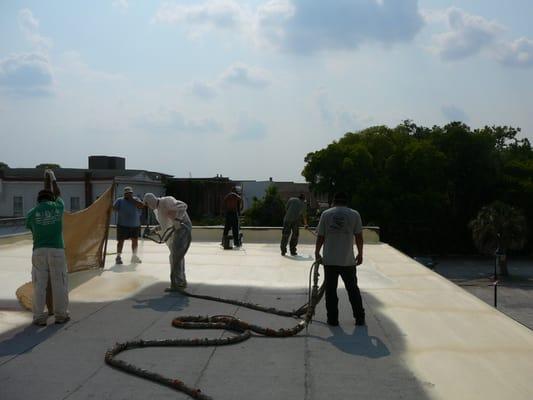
x=128, y=213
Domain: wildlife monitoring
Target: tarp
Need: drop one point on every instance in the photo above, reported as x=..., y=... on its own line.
x=85, y=233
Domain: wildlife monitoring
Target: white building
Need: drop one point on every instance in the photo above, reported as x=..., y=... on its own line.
x=79, y=187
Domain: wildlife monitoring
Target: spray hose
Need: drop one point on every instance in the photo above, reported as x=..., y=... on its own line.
x=242, y=329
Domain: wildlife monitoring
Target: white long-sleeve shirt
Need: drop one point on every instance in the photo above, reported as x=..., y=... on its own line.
x=171, y=212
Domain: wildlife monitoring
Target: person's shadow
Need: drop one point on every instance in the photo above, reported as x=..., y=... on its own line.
x=26, y=339
x=299, y=257
x=357, y=343
x=167, y=302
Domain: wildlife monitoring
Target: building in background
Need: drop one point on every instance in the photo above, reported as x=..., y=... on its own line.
x=79, y=187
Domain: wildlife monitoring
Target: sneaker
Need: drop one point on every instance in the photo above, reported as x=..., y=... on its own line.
x=293, y=253
x=62, y=320
x=135, y=259
x=39, y=322
x=118, y=260
x=283, y=252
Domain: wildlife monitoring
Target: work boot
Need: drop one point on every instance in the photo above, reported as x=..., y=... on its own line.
x=135, y=259
x=39, y=322
x=118, y=260
x=62, y=320
x=283, y=252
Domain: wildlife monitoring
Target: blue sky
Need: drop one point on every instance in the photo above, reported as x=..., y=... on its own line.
x=247, y=88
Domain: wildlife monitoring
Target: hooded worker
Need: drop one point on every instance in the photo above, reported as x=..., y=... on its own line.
x=172, y=217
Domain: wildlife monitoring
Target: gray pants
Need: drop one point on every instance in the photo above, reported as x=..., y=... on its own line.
x=178, y=244
x=48, y=262
x=290, y=228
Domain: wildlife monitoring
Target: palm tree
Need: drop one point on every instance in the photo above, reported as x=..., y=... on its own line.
x=499, y=227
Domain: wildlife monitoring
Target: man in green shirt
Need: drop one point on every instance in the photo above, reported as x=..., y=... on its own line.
x=45, y=221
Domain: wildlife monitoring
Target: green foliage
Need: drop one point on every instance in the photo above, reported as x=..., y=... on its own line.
x=48, y=165
x=3, y=165
x=268, y=211
x=498, y=224
x=422, y=185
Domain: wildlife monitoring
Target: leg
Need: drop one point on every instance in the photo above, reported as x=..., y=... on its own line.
x=235, y=229
x=331, y=279
x=181, y=241
x=39, y=277
x=135, y=245
x=120, y=243
x=285, y=233
x=295, y=233
x=59, y=278
x=49, y=297
x=349, y=276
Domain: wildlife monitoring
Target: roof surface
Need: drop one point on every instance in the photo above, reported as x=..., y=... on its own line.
x=426, y=338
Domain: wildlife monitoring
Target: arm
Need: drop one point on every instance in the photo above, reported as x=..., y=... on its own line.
x=359, y=244
x=318, y=246
x=139, y=204
x=51, y=178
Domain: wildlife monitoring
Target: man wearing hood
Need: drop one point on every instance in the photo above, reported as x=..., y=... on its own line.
x=176, y=225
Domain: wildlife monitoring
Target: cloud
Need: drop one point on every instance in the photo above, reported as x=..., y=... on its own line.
x=345, y=121
x=202, y=90
x=346, y=24
x=244, y=75
x=454, y=113
x=303, y=26
x=73, y=63
x=174, y=122
x=250, y=130
x=238, y=74
x=26, y=74
x=517, y=54
x=121, y=4
x=468, y=35
x=213, y=14
x=29, y=25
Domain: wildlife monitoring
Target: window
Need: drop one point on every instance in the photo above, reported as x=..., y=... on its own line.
x=18, y=206
x=74, y=204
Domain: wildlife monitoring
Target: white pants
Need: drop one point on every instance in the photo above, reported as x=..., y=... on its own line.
x=49, y=262
x=178, y=244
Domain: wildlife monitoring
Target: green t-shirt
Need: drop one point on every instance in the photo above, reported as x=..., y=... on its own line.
x=45, y=221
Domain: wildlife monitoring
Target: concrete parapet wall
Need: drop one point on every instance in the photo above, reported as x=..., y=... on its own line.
x=251, y=234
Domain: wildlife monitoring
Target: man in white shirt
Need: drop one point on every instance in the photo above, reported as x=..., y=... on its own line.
x=174, y=220
x=336, y=231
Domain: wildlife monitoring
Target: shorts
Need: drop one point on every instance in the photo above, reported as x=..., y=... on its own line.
x=127, y=232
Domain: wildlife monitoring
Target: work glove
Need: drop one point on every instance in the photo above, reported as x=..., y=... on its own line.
x=50, y=173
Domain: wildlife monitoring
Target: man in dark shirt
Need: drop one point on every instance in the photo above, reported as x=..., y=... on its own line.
x=232, y=206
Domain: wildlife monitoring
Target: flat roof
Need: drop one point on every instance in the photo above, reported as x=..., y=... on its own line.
x=425, y=338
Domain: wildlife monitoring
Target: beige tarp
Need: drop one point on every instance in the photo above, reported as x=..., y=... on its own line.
x=85, y=234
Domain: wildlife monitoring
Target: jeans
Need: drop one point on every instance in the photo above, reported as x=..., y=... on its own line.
x=232, y=222
x=331, y=279
x=292, y=229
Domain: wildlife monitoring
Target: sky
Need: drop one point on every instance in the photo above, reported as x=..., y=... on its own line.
x=247, y=88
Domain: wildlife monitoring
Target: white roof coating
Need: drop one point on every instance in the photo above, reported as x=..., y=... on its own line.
x=426, y=338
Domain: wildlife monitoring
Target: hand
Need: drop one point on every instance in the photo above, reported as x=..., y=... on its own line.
x=50, y=174
x=359, y=259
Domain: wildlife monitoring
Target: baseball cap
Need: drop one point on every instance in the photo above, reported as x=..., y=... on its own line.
x=128, y=189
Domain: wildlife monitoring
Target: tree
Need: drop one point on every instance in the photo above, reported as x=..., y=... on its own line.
x=422, y=186
x=3, y=165
x=501, y=227
x=268, y=211
x=48, y=166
